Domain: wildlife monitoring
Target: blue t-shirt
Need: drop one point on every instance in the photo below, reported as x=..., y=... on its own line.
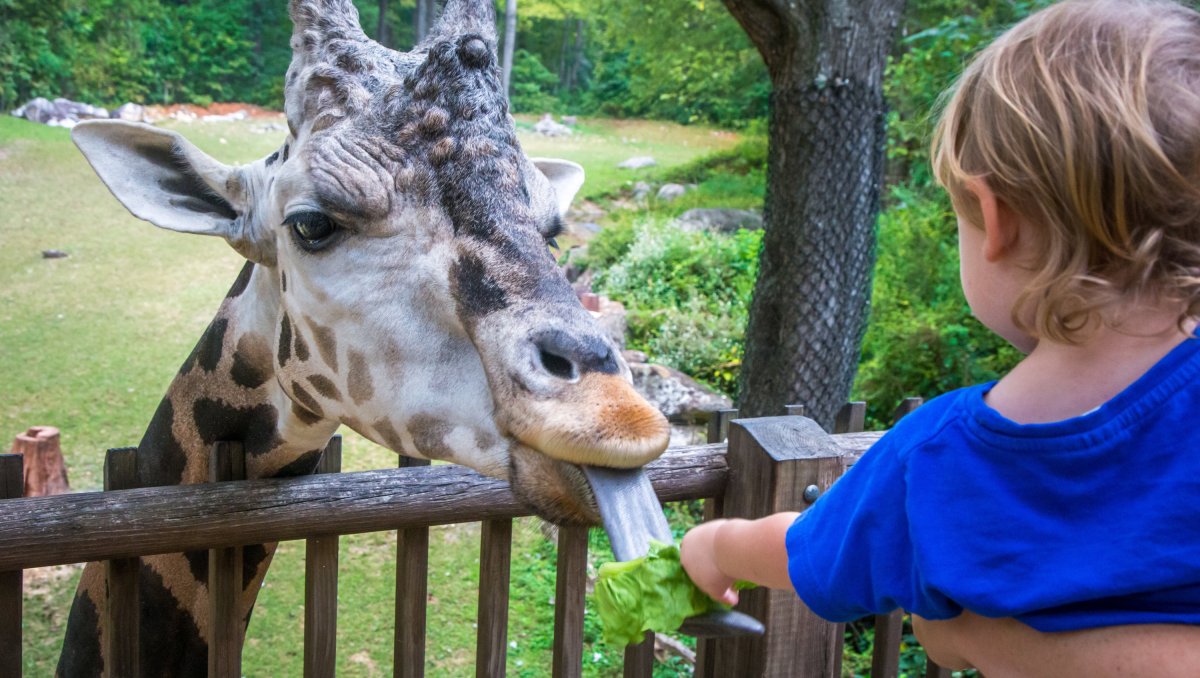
x=1092, y=521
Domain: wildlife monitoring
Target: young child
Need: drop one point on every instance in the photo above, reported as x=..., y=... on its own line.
x=1047, y=523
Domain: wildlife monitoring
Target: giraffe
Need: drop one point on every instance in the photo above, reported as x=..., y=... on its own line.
x=397, y=281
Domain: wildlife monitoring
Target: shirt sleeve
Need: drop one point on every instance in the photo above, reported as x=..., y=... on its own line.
x=851, y=555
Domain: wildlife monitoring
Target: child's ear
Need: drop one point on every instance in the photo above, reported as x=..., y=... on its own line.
x=1001, y=225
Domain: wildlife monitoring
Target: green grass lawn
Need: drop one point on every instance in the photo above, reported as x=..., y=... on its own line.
x=89, y=344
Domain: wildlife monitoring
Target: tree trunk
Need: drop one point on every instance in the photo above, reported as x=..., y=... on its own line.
x=382, y=33
x=510, y=44
x=576, y=55
x=826, y=59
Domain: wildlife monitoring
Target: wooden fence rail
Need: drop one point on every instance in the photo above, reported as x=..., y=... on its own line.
x=769, y=464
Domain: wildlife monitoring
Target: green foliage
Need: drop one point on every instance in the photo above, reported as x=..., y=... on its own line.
x=707, y=71
x=687, y=294
x=532, y=85
x=922, y=339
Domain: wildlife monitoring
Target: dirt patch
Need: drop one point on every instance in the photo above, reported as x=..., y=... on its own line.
x=216, y=110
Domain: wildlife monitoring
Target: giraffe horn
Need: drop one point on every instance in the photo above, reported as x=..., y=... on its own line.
x=465, y=16
x=317, y=22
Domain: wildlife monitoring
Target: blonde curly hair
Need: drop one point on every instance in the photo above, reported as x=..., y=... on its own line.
x=1085, y=119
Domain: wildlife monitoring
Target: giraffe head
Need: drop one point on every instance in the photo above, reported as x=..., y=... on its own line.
x=400, y=236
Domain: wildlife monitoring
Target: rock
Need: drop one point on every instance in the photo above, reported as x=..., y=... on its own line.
x=130, y=112
x=570, y=120
x=641, y=190
x=58, y=113
x=679, y=397
x=45, y=470
x=54, y=254
x=632, y=357
x=548, y=128
x=669, y=192
x=611, y=316
x=588, y=227
x=638, y=162
x=719, y=220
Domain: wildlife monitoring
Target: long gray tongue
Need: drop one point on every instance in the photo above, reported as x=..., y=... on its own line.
x=629, y=510
x=632, y=516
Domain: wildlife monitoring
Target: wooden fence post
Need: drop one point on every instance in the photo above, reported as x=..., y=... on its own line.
x=122, y=615
x=412, y=594
x=495, y=561
x=228, y=462
x=12, y=486
x=718, y=431
x=773, y=461
x=571, y=583
x=321, y=586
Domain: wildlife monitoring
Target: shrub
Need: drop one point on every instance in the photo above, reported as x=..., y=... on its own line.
x=687, y=294
x=532, y=84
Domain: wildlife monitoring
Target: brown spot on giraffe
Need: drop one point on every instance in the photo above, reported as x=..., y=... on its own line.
x=304, y=415
x=305, y=398
x=429, y=437
x=301, y=347
x=389, y=434
x=251, y=361
x=359, y=378
x=325, y=387
x=285, y=339
x=326, y=343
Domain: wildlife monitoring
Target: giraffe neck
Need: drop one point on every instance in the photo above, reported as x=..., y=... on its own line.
x=227, y=390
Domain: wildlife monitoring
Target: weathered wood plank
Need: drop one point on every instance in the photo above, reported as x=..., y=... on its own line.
x=495, y=554
x=639, y=658
x=772, y=460
x=122, y=618
x=321, y=587
x=885, y=657
x=12, y=486
x=412, y=593
x=718, y=432
x=568, y=602
x=227, y=463
x=40, y=531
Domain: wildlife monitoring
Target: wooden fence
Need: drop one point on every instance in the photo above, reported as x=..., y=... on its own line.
x=769, y=464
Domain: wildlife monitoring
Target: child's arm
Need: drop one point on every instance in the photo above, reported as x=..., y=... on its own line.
x=720, y=552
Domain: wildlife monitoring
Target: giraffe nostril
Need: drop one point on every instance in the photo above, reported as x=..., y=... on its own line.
x=557, y=365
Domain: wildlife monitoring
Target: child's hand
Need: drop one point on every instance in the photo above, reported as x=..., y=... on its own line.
x=698, y=555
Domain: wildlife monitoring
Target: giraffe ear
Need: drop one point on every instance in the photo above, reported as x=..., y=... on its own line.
x=565, y=176
x=161, y=177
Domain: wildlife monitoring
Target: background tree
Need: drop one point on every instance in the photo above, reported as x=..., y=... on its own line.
x=510, y=42
x=826, y=60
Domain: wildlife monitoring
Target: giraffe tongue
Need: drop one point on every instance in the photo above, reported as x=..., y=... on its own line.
x=629, y=510
x=633, y=517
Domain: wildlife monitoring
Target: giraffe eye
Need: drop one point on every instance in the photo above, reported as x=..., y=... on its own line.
x=313, y=230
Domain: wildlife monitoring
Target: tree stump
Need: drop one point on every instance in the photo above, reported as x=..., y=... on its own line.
x=45, y=470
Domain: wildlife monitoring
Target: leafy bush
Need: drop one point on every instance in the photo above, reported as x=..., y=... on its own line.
x=687, y=294
x=922, y=339
x=532, y=84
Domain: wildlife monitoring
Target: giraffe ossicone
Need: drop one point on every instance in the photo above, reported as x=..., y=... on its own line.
x=398, y=281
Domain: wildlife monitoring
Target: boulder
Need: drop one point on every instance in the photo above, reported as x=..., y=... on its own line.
x=608, y=313
x=58, y=113
x=641, y=190
x=719, y=220
x=548, y=128
x=570, y=120
x=669, y=192
x=679, y=397
x=638, y=162
x=130, y=112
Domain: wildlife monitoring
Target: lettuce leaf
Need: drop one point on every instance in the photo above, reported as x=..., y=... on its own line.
x=651, y=593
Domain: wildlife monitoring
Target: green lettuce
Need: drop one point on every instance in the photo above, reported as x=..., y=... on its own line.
x=651, y=593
